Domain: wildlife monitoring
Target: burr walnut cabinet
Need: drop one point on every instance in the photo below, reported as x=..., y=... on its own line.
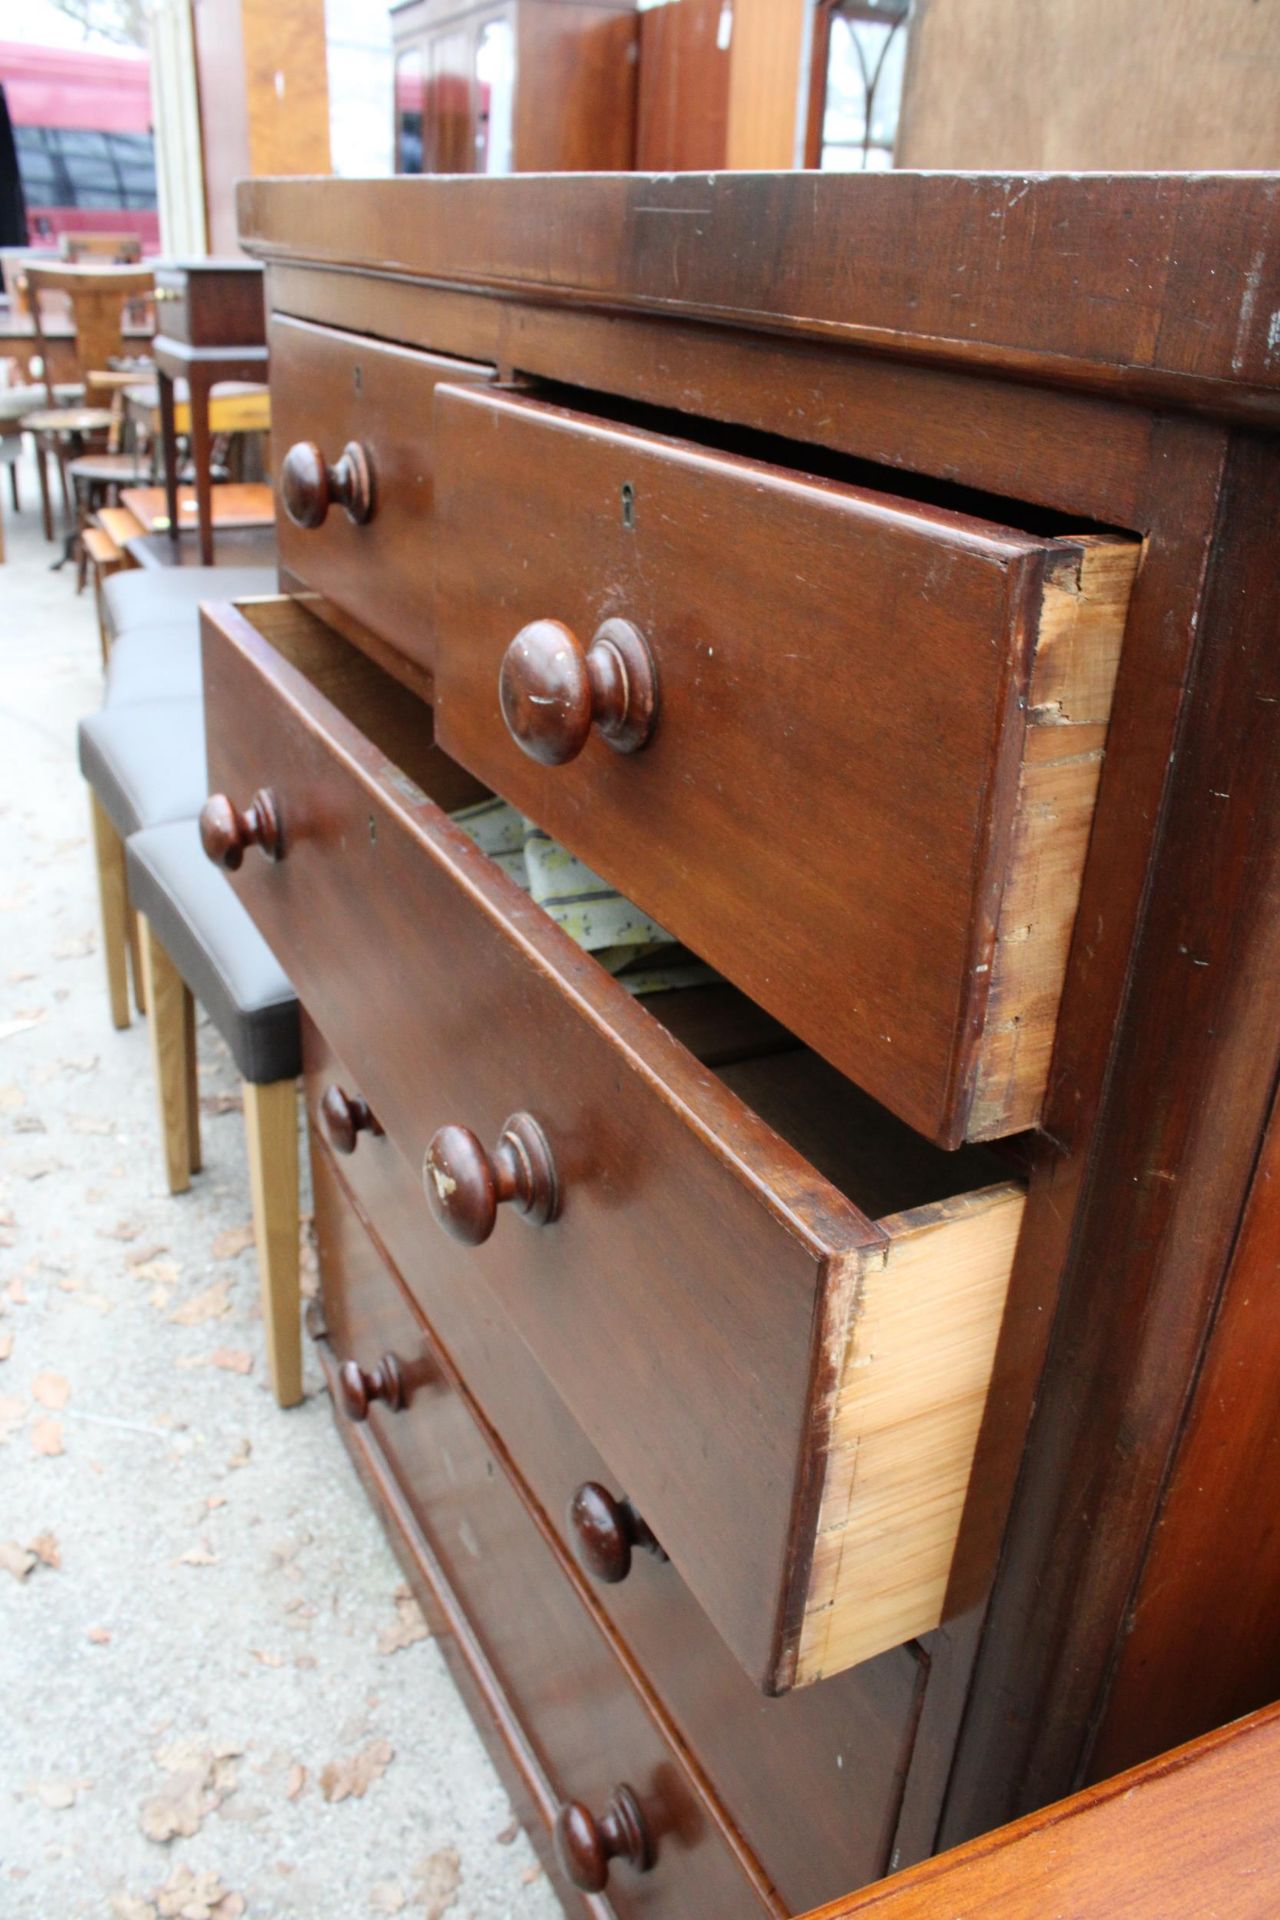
x=780, y=1386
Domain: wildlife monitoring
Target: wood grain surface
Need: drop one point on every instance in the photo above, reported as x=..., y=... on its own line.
x=843, y=1748
x=330, y=388
x=1189, y=1836
x=562, y=1676
x=1215, y=1531
x=842, y=806
x=665, y=1176
x=822, y=254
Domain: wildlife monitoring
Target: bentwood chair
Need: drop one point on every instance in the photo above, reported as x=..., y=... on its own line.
x=76, y=435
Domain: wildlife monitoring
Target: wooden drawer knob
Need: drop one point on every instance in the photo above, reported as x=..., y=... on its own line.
x=603, y=1532
x=309, y=486
x=344, y=1116
x=225, y=832
x=553, y=693
x=585, y=1845
x=465, y=1186
x=359, y=1386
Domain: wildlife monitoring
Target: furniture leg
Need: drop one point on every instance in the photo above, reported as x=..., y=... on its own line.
x=171, y=1022
x=169, y=438
x=271, y=1131
x=42, y=471
x=195, y=1156
x=13, y=488
x=68, y=506
x=114, y=903
x=202, y=458
x=134, y=931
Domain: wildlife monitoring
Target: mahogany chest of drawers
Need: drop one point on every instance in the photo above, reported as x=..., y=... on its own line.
x=774, y=1384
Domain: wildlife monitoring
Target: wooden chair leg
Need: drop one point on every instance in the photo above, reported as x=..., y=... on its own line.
x=170, y=1019
x=133, y=922
x=46, y=503
x=271, y=1128
x=194, y=1154
x=113, y=897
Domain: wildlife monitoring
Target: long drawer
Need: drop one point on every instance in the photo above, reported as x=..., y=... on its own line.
x=592, y=1732
x=772, y=1307
x=814, y=1780
x=357, y=495
x=843, y=745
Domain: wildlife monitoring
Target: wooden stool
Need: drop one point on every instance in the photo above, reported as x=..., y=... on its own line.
x=198, y=943
x=145, y=765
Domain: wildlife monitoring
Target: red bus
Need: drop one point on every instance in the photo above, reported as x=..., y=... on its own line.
x=82, y=129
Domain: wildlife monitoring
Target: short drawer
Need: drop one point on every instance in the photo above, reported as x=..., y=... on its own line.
x=814, y=1780
x=770, y=1305
x=356, y=477
x=843, y=745
x=560, y=1675
x=212, y=303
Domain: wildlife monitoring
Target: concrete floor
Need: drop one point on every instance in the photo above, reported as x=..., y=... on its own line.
x=193, y=1647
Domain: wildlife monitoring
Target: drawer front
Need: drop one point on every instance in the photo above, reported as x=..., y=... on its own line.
x=729, y=1328
x=590, y=1729
x=330, y=390
x=813, y=1780
x=836, y=704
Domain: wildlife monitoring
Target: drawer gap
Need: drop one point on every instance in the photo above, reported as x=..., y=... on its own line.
x=810, y=461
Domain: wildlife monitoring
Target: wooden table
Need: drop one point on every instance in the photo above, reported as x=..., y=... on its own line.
x=212, y=332
x=177, y=510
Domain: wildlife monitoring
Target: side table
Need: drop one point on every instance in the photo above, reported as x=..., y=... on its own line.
x=212, y=330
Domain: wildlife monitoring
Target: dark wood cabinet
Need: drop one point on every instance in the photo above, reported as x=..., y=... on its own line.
x=870, y=1341
x=529, y=86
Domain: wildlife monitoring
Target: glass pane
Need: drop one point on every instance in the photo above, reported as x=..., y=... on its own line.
x=866, y=57
x=495, y=96
x=74, y=141
x=408, y=94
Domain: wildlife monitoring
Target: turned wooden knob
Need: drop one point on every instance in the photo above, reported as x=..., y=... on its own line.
x=604, y=1531
x=585, y=1846
x=553, y=693
x=344, y=1116
x=465, y=1186
x=309, y=486
x=359, y=1386
x=225, y=832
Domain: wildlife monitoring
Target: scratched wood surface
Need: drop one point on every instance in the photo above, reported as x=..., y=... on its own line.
x=822, y=254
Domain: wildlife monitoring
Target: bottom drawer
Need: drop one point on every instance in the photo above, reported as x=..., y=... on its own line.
x=585, y=1732
x=813, y=1780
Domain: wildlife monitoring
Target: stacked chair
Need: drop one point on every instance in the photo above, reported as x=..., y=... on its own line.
x=171, y=918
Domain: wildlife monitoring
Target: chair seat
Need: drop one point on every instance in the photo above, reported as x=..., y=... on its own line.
x=154, y=664
x=163, y=598
x=215, y=946
x=146, y=763
x=108, y=469
x=67, y=420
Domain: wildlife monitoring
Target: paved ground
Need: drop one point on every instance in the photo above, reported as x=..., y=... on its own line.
x=193, y=1591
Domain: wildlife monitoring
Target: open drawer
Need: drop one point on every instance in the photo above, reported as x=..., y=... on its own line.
x=844, y=744
x=771, y=1306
